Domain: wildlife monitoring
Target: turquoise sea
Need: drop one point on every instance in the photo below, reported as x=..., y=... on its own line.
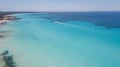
x=59, y=40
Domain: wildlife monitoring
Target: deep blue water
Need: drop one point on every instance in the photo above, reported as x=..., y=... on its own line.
x=64, y=39
x=107, y=19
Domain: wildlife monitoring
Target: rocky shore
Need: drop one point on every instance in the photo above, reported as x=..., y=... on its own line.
x=5, y=18
x=6, y=60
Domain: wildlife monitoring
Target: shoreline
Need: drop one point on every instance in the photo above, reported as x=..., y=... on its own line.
x=6, y=18
x=6, y=60
x=3, y=21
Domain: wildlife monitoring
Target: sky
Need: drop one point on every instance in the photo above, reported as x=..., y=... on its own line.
x=59, y=5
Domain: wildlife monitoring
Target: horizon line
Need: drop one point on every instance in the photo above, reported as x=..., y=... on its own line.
x=59, y=11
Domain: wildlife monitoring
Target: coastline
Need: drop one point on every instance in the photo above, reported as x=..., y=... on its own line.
x=3, y=21
x=5, y=18
x=6, y=60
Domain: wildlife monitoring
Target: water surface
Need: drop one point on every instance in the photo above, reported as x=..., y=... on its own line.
x=39, y=40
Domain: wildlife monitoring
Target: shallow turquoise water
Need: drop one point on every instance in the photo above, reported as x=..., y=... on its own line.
x=40, y=42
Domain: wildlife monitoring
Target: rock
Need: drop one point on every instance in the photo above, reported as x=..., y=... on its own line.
x=7, y=17
x=6, y=60
x=9, y=61
x=3, y=52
